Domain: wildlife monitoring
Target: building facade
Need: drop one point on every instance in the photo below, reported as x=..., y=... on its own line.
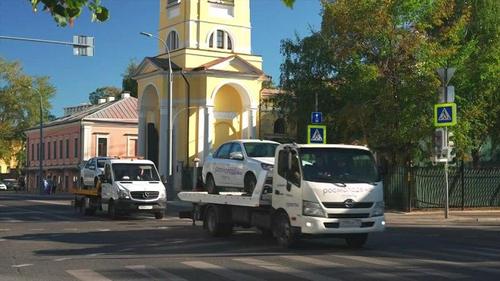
x=215, y=86
x=106, y=129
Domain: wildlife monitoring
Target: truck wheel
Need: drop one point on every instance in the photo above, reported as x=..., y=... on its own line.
x=112, y=210
x=356, y=241
x=211, y=187
x=159, y=215
x=249, y=184
x=214, y=227
x=283, y=231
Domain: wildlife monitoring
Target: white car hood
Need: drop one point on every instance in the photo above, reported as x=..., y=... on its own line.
x=141, y=185
x=359, y=192
x=266, y=160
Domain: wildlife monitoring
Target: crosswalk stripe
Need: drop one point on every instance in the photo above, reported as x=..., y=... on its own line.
x=474, y=253
x=221, y=271
x=284, y=269
x=64, y=203
x=369, y=260
x=145, y=271
x=87, y=275
x=315, y=261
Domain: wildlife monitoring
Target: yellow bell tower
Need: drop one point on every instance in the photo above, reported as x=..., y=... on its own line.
x=215, y=87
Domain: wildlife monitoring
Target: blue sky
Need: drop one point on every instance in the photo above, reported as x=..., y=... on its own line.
x=118, y=41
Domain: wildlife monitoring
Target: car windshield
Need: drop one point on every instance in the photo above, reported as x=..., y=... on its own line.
x=135, y=172
x=260, y=149
x=338, y=165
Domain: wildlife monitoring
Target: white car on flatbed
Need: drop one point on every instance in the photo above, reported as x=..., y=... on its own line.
x=316, y=191
x=238, y=164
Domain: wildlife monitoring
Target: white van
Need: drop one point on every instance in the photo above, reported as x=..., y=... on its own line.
x=132, y=185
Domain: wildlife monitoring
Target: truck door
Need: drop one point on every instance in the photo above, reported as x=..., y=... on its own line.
x=287, y=177
x=107, y=183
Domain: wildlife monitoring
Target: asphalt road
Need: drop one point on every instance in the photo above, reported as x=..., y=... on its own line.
x=41, y=238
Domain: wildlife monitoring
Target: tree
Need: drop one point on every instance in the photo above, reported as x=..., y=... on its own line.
x=372, y=65
x=20, y=106
x=104, y=92
x=129, y=84
x=65, y=12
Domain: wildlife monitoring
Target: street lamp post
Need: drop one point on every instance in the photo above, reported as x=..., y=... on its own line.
x=170, y=125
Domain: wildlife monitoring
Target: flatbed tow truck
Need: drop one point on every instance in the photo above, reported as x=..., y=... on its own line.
x=316, y=191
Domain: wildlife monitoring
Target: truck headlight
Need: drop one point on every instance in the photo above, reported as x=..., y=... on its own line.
x=312, y=209
x=378, y=209
x=267, y=167
x=123, y=193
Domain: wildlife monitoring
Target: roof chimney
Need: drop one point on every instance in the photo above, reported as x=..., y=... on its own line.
x=101, y=101
x=109, y=99
x=125, y=95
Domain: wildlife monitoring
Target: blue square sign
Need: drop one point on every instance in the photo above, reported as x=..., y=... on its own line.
x=316, y=117
x=445, y=114
x=316, y=134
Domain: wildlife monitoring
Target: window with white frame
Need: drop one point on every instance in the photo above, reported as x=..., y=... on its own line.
x=173, y=40
x=220, y=39
x=102, y=146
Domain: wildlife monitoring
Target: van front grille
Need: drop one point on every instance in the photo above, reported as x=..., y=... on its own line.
x=144, y=195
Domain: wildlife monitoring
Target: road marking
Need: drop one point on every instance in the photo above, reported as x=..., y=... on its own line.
x=375, y=261
x=87, y=275
x=143, y=270
x=62, y=259
x=221, y=271
x=70, y=229
x=474, y=253
x=315, y=261
x=1, y=239
x=284, y=269
x=37, y=229
x=94, y=254
x=103, y=229
x=66, y=203
x=4, y=229
x=21, y=265
x=1, y=205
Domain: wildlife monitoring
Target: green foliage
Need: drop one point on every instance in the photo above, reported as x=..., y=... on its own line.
x=65, y=12
x=104, y=92
x=129, y=84
x=20, y=97
x=288, y=3
x=373, y=65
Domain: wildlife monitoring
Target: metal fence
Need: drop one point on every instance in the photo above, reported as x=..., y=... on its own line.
x=406, y=188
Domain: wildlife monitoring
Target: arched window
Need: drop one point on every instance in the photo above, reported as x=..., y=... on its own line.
x=173, y=40
x=279, y=126
x=221, y=40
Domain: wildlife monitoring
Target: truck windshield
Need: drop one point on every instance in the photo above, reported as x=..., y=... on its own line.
x=135, y=172
x=260, y=149
x=338, y=165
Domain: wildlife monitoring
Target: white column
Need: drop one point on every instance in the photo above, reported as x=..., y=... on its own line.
x=141, y=138
x=252, y=123
x=163, y=139
x=209, y=121
x=86, y=142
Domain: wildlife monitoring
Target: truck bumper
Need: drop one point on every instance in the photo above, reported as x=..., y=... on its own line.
x=132, y=206
x=315, y=225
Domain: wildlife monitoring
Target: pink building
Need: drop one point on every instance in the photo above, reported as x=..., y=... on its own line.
x=106, y=129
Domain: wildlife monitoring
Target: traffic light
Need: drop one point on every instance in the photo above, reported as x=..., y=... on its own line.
x=451, y=151
x=439, y=142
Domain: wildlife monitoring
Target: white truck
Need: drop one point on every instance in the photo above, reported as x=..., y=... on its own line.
x=317, y=190
x=126, y=186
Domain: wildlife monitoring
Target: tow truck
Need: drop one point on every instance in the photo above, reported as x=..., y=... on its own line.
x=317, y=190
x=128, y=185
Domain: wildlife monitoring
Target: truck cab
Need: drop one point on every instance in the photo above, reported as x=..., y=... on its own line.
x=132, y=185
x=328, y=189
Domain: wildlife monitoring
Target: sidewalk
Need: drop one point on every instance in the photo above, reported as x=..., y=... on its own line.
x=468, y=217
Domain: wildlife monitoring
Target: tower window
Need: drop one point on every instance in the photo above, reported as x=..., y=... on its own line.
x=172, y=2
x=172, y=40
x=221, y=40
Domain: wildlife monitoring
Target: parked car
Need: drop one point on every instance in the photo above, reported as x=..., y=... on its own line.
x=238, y=164
x=89, y=173
x=3, y=186
x=11, y=184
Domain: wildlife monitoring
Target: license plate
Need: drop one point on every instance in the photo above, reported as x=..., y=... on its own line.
x=145, y=207
x=350, y=223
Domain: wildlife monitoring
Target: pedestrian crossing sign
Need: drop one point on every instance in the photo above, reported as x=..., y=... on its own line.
x=445, y=114
x=316, y=134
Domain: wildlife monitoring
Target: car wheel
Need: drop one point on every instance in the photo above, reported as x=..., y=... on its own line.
x=211, y=187
x=356, y=241
x=283, y=231
x=159, y=215
x=249, y=184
